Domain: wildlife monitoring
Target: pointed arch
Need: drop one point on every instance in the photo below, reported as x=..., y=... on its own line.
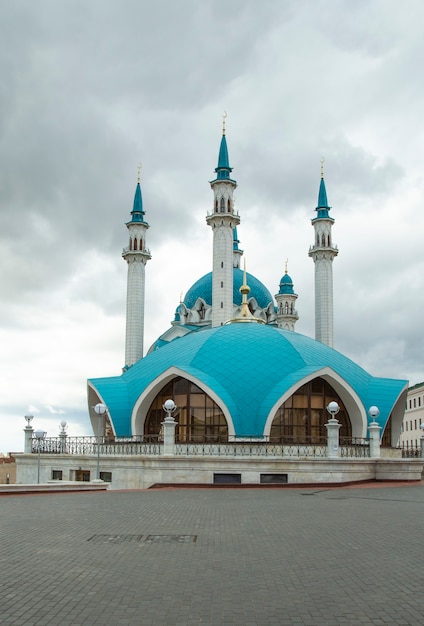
x=145, y=400
x=355, y=410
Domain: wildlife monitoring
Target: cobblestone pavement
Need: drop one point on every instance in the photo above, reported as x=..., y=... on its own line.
x=250, y=557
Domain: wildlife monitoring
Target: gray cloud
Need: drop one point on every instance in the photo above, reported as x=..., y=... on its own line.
x=90, y=89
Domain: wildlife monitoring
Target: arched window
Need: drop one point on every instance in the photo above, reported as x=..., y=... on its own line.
x=202, y=311
x=317, y=240
x=216, y=206
x=302, y=418
x=323, y=239
x=135, y=244
x=130, y=244
x=228, y=206
x=222, y=206
x=199, y=418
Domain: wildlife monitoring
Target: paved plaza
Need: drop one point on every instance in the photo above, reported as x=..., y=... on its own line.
x=251, y=557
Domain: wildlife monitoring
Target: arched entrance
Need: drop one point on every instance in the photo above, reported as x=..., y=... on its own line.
x=199, y=418
x=302, y=417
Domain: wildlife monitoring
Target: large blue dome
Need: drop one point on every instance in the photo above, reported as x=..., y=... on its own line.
x=202, y=288
x=247, y=368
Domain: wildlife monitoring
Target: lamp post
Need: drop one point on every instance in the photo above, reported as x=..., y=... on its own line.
x=62, y=437
x=28, y=430
x=100, y=409
x=40, y=434
x=333, y=426
x=374, y=430
x=169, y=425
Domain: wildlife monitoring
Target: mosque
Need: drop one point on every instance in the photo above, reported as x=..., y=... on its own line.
x=230, y=392
x=232, y=360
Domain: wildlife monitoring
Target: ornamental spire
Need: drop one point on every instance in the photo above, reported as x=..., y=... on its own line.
x=223, y=169
x=245, y=315
x=137, y=214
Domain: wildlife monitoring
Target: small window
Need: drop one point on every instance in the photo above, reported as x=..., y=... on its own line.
x=226, y=479
x=57, y=474
x=415, y=403
x=222, y=263
x=222, y=305
x=106, y=476
x=222, y=283
x=273, y=479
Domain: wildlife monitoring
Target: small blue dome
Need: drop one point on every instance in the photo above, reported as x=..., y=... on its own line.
x=202, y=288
x=286, y=285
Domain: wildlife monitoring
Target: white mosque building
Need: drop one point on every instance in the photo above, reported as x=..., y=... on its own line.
x=250, y=396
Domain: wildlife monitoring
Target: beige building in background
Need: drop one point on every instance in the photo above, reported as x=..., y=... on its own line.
x=414, y=416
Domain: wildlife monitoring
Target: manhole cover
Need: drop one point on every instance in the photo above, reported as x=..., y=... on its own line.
x=114, y=538
x=171, y=538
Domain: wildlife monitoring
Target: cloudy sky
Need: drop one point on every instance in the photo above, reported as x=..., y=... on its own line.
x=89, y=88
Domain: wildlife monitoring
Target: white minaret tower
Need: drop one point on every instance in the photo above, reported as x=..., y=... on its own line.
x=323, y=253
x=136, y=255
x=286, y=316
x=223, y=220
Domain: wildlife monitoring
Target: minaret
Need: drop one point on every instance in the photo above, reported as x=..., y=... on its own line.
x=286, y=316
x=136, y=255
x=223, y=220
x=323, y=253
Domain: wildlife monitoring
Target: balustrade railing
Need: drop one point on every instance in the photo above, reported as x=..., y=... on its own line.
x=354, y=447
x=411, y=452
x=152, y=445
x=90, y=445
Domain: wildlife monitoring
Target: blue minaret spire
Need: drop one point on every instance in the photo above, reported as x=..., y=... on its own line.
x=223, y=170
x=137, y=214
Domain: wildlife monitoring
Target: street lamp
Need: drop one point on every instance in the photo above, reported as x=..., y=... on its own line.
x=169, y=407
x=333, y=408
x=39, y=434
x=101, y=410
x=373, y=412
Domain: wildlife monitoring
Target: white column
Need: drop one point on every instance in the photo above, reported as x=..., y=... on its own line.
x=169, y=425
x=28, y=430
x=333, y=426
x=374, y=430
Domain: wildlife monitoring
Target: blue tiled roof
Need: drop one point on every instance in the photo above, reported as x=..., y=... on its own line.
x=249, y=367
x=203, y=289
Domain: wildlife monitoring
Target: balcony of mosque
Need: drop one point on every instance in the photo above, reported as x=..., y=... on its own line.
x=202, y=445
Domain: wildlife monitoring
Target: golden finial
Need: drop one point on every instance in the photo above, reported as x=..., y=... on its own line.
x=138, y=173
x=245, y=315
x=322, y=167
x=287, y=262
x=224, y=116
